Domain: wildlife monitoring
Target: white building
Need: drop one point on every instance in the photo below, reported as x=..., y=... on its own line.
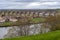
x=2, y=19
x=13, y=19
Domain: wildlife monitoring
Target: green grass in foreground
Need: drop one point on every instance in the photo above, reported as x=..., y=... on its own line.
x=48, y=36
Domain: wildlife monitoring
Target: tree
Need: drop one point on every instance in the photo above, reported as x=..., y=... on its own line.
x=54, y=21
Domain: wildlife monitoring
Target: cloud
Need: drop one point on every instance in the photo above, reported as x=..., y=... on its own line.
x=39, y=5
x=49, y=3
x=33, y=4
x=10, y=3
x=27, y=0
x=26, y=4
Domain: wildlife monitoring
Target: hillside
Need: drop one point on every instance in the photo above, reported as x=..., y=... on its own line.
x=47, y=36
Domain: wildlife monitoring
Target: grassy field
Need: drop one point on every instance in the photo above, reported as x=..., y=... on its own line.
x=37, y=20
x=47, y=36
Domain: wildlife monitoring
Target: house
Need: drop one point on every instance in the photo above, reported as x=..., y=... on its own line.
x=2, y=19
x=46, y=14
x=41, y=14
x=13, y=19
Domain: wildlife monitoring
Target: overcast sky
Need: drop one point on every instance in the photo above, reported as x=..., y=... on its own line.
x=29, y=4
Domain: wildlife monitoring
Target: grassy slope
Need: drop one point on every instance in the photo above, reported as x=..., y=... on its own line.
x=48, y=36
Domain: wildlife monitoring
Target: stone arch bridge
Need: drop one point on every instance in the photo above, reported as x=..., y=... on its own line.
x=28, y=13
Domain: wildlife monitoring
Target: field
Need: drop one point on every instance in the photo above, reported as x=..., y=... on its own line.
x=55, y=35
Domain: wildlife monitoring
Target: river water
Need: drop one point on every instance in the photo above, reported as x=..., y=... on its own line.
x=8, y=32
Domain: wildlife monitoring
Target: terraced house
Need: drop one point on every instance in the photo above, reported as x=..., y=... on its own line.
x=13, y=15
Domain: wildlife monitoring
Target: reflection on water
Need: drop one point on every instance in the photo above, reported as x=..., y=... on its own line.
x=22, y=30
x=3, y=31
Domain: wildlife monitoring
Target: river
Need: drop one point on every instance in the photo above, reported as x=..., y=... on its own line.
x=25, y=30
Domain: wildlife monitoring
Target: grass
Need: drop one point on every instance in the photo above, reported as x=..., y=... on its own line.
x=47, y=36
x=6, y=24
x=37, y=20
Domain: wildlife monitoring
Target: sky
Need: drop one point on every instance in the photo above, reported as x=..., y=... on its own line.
x=29, y=4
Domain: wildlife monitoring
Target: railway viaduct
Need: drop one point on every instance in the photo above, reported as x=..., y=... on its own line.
x=27, y=13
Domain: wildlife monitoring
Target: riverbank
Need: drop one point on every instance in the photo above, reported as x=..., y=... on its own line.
x=55, y=35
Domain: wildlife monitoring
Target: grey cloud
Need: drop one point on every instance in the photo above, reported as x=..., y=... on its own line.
x=28, y=5
x=28, y=0
x=43, y=5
